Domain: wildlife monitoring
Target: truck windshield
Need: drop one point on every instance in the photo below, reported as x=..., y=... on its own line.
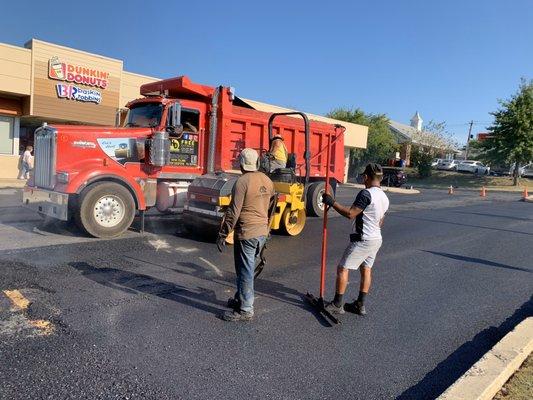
x=144, y=115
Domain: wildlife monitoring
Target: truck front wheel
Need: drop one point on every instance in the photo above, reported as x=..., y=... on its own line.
x=106, y=210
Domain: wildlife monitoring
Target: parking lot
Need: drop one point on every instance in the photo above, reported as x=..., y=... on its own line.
x=138, y=314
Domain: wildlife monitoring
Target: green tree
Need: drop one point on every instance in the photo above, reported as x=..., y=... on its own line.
x=381, y=144
x=511, y=138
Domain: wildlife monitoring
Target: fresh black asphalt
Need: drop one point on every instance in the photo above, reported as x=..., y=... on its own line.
x=137, y=317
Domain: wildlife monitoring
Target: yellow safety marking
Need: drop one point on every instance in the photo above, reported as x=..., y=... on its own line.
x=45, y=327
x=17, y=299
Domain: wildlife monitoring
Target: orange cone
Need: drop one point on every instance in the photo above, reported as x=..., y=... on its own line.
x=483, y=192
x=525, y=194
x=450, y=190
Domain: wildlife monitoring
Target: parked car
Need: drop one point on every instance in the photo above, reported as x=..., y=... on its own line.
x=436, y=162
x=393, y=176
x=525, y=172
x=499, y=169
x=474, y=167
x=448, y=165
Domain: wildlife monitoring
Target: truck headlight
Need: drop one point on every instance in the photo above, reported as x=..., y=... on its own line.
x=62, y=177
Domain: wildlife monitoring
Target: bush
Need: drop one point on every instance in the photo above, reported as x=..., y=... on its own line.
x=422, y=162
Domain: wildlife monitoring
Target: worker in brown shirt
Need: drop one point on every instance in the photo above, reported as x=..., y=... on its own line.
x=247, y=215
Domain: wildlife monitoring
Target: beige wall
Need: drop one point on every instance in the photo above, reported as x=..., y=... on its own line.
x=15, y=73
x=130, y=86
x=9, y=166
x=45, y=101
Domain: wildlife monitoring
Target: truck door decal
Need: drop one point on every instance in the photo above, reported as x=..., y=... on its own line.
x=122, y=150
x=184, y=150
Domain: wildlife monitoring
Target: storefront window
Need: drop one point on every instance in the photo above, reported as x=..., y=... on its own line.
x=6, y=135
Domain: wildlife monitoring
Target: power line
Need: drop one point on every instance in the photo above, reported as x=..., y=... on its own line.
x=473, y=123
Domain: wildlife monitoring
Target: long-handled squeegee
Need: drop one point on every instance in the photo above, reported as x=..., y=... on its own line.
x=318, y=303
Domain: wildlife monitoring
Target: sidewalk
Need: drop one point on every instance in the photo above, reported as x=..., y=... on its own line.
x=474, y=188
x=486, y=377
x=6, y=183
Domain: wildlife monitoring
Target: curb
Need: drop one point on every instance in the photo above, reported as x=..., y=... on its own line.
x=12, y=183
x=474, y=189
x=489, y=374
x=385, y=188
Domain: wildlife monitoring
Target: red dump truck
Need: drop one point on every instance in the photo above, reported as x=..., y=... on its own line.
x=179, y=130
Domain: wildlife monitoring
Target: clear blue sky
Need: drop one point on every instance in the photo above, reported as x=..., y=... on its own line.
x=450, y=60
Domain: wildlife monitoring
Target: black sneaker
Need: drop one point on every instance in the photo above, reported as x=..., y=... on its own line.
x=237, y=316
x=234, y=304
x=355, y=307
x=333, y=309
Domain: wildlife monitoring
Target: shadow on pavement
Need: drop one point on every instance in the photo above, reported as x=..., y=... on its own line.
x=494, y=215
x=457, y=363
x=130, y=282
x=200, y=298
x=459, y=224
x=477, y=261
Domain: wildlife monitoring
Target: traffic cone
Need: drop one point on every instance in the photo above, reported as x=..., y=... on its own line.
x=525, y=194
x=483, y=192
x=450, y=190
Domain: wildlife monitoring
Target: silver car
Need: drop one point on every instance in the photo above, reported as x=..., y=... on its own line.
x=448, y=165
x=525, y=172
x=474, y=167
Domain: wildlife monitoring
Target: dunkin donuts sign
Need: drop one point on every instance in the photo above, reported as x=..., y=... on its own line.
x=76, y=74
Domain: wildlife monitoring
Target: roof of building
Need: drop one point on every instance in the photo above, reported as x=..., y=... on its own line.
x=407, y=134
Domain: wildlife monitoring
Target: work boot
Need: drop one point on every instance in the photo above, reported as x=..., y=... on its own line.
x=237, y=316
x=333, y=309
x=234, y=303
x=355, y=307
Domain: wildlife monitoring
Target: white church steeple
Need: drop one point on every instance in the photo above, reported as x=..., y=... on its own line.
x=416, y=121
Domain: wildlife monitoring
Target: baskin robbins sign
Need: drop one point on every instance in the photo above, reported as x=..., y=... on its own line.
x=76, y=74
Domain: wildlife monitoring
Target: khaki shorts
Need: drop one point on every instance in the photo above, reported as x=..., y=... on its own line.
x=360, y=253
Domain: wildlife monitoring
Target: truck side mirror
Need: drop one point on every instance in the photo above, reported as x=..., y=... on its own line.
x=175, y=115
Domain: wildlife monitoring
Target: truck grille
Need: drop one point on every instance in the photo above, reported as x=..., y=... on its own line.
x=45, y=157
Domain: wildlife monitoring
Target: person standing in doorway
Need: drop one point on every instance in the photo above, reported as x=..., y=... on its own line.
x=368, y=211
x=27, y=163
x=247, y=216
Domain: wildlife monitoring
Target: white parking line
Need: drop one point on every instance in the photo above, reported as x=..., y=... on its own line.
x=186, y=249
x=215, y=268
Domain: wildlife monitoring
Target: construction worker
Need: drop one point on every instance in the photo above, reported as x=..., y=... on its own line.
x=368, y=211
x=247, y=216
x=278, y=152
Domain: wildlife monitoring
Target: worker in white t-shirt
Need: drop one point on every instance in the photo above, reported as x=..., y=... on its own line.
x=367, y=211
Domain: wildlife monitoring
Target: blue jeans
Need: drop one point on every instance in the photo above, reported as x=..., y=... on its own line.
x=245, y=253
x=25, y=169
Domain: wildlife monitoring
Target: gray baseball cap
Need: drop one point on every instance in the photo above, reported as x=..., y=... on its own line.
x=249, y=160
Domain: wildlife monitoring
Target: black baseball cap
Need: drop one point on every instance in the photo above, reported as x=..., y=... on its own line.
x=373, y=170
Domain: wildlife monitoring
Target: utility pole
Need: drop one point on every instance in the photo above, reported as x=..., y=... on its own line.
x=468, y=139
